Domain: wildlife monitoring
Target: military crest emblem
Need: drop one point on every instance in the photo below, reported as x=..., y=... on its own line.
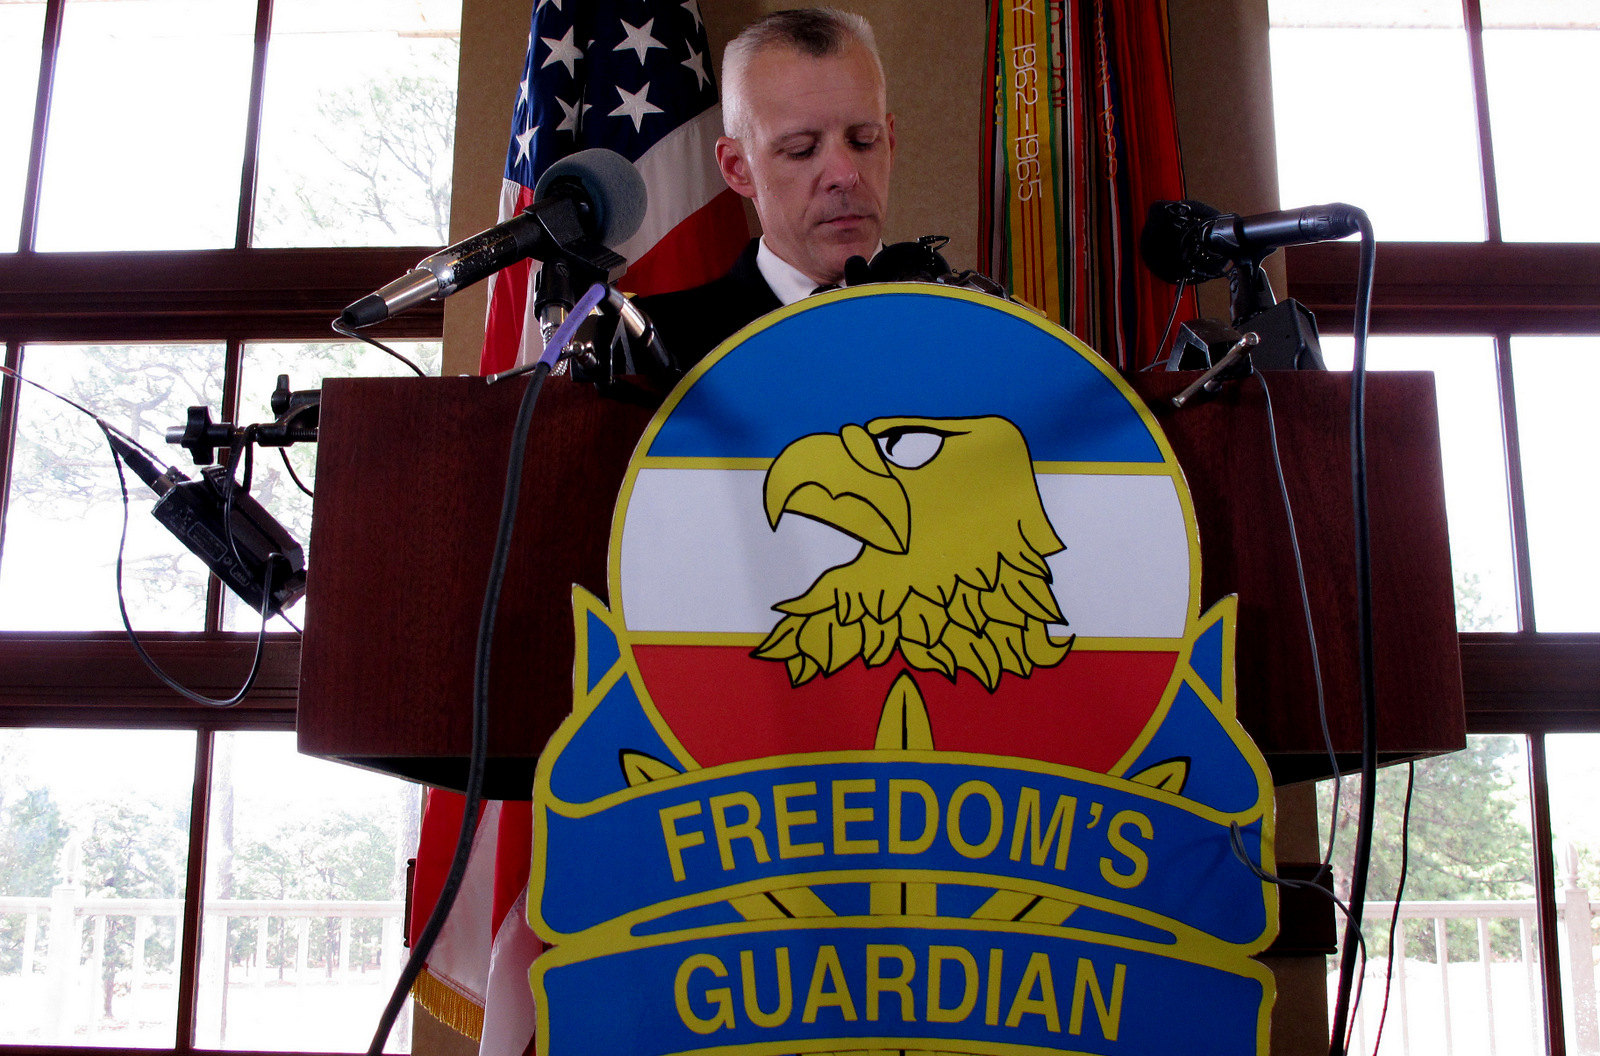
x=903, y=729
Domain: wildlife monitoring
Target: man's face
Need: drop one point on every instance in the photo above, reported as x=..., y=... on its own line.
x=815, y=156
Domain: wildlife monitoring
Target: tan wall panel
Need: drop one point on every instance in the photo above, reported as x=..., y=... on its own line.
x=494, y=37
x=1222, y=81
x=933, y=61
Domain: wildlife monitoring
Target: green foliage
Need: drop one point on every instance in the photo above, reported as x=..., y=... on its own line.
x=342, y=856
x=134, y=850
x=1473, y=611
x=32, y=835
x=391, y=146
x=1469, y=840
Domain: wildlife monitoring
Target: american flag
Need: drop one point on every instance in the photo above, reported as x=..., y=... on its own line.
x=633, y=76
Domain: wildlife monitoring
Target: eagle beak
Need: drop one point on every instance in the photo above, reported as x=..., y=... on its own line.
x=843, y=482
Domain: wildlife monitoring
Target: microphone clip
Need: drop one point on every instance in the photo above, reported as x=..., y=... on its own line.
x=1235, y=363
x=918, y=261
x=616, y=342
x=296, y=423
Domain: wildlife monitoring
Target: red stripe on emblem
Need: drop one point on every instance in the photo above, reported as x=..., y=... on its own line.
x=726, y=706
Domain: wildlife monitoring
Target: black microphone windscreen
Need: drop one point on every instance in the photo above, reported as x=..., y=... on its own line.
x=613, y=185
x=856, y=271
x=1170, y=243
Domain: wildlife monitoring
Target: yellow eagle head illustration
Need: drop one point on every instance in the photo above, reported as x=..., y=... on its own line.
x=952, y=572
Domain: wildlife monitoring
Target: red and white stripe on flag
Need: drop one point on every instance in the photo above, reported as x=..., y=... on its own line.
x=477, y=975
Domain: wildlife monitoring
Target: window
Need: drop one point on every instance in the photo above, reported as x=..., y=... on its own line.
x=1453, y=128
x=1467, y=934
x=299, y=938
x=164, y=880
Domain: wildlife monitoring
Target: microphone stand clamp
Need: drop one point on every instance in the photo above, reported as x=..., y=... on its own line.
x=1235, y=363
x=296, y=423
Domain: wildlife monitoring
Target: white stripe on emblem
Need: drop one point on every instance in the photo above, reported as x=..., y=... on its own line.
x=697, y=555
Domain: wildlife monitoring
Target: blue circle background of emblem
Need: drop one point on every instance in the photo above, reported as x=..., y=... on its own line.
x=830, y=359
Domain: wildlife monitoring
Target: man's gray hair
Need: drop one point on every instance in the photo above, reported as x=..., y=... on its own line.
x=815, y=31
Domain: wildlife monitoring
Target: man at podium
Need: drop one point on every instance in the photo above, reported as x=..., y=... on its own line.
x=810, y=142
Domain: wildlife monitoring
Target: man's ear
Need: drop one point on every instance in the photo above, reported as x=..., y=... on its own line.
x=734, y=166
x=888, y=121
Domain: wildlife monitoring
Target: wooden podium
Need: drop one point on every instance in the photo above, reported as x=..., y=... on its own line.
x=409, y=482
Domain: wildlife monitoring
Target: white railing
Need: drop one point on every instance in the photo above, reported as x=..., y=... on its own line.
x=1463, y=1003
x=1459, y=1003
x=69, y=1001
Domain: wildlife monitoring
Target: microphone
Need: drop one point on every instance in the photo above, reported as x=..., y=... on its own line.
x=1190, y=241
x=582, y=204
x=857, y=272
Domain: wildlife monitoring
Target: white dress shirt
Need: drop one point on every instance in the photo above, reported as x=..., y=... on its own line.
x=789, y=283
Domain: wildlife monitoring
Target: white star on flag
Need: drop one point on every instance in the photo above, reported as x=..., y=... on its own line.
x=563, y=51
x=635, y=105
x=638, y=39
x=522, y=95
x=574, y=114
x=540, y=5
x=524, y=138
x=693, y=7
x=697, y=63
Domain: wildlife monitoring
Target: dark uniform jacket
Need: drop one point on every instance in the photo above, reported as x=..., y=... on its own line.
x=692, y=322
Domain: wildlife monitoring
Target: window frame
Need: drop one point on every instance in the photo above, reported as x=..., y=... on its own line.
x=95, y=680
x=1525, y=682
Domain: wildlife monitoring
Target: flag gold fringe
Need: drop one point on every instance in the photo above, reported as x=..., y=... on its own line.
x=447, y=1006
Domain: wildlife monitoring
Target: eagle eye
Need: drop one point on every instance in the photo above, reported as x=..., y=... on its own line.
x=910, y=447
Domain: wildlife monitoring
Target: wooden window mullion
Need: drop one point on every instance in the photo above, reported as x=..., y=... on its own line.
x=8, y=430
x=1473, y=16
x=250, y=169
x=1544, y=880
x=1527, y=617
x=49, y=48
x=194, y=891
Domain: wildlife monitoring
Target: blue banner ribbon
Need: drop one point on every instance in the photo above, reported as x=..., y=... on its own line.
x=852, y=985
x=689, y=840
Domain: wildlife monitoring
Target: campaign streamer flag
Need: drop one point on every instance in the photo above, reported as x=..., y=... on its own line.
x=1082, y=138
x=634, y=77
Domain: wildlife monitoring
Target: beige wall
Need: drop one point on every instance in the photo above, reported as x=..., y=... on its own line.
x=494, y=35
x=933, y=56
x=1222, y=81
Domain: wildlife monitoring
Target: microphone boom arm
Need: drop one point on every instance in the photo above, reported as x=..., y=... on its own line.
x=581, y=203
